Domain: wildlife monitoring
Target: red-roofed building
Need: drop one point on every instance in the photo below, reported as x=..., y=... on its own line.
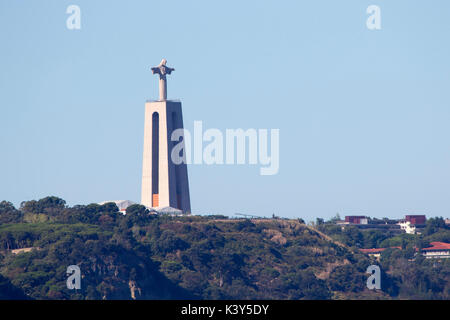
x=437, y=250
x=356, y=219
x=416, y=219
x=376, y=252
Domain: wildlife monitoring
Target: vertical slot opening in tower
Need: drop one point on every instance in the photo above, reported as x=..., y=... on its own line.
x=155, y=159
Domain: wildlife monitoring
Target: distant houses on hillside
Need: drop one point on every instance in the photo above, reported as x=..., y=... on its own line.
x=411, y=224
x=437, y=250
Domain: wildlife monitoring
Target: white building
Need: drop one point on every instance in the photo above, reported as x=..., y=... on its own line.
x=407, y=227
x=438, y=250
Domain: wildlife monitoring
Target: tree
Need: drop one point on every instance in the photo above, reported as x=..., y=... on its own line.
x=336, y=218
x=109, y=207
x=137, y=210
x=138, y=214
x=51, y=206
x=433, y=225
x=9, y=292
x=9, y=214
x=347, y=279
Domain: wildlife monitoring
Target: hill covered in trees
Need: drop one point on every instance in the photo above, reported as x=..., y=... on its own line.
x=144, y=256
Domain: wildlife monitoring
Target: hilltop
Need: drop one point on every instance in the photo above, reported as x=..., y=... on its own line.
x=143, y=256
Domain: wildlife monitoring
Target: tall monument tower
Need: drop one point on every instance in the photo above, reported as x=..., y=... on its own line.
x=164, y=183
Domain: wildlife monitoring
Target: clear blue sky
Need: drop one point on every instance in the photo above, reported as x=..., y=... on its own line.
x=364, y=116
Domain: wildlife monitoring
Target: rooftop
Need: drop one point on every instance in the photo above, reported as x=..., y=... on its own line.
x=435, y=246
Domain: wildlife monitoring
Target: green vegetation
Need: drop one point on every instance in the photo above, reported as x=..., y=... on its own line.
x=145, y=256
x=406, y=275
